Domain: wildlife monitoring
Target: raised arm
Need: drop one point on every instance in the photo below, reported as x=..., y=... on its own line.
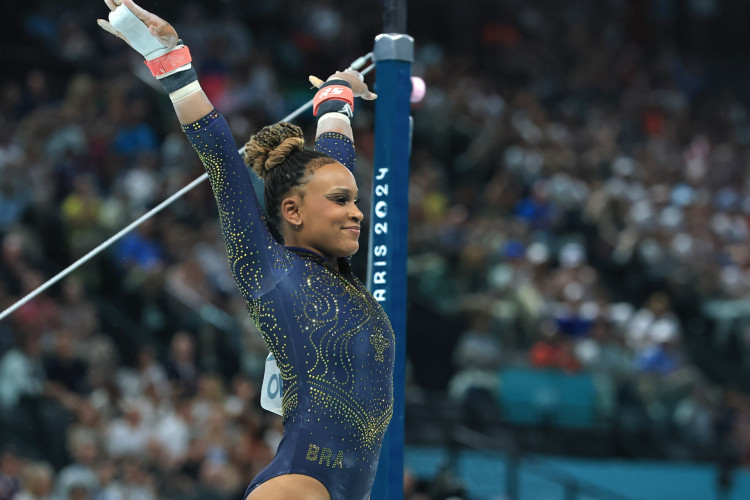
x=257, y=261
x=166, y=57
x=337, y=118
x=334, y=135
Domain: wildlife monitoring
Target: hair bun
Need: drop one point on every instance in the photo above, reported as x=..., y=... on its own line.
x=271, y=146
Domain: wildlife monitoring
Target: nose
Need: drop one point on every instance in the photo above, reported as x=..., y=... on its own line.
x=356, y=214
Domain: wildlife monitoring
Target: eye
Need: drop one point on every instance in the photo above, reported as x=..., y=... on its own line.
x=339, y=199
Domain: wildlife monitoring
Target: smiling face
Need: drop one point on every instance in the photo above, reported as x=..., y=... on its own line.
x=327, y=212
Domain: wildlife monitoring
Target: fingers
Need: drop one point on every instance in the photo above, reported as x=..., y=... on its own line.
x=357, y=81
x=315, y=81
x=348, y=75
x=112, y=4
x=165, y=33
x=107, y=26
x=157, y=26
x=141, y=13
x=353, y=78
x=356, y=73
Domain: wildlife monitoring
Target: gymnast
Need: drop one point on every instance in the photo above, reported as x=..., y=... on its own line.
x=332, y=341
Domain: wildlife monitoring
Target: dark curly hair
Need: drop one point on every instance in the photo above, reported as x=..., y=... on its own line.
x=277, y=154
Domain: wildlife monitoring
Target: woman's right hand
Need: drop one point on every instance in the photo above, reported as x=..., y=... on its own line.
x=147, y=33
x=153, y=37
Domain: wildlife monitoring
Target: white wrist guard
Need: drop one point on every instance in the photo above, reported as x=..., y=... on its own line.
x=340, y=116
x=137, y=33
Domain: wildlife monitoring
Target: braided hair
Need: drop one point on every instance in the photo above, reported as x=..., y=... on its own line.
x=277, y=154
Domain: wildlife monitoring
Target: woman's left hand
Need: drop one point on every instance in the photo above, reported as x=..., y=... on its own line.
x=353, y=78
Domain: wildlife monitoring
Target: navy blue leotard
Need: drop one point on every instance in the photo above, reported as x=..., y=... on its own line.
x=332, y=341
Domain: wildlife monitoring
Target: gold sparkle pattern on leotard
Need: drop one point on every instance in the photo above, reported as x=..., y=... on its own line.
x=254, y=256
x=341, y=155
x=321, y=303
x=333, y=343
x=380, y=343
x=265, y=319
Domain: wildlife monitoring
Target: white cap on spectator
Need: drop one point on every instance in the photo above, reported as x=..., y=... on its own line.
x=620, y=312
x=663, y=330
x=537, y=253
x=572, y=255
x=624, y=166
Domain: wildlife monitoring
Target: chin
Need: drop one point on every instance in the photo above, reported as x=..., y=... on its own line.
x=350, y=251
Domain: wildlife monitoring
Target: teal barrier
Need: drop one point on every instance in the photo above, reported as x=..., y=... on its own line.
x=547, y=397
x=484, y=476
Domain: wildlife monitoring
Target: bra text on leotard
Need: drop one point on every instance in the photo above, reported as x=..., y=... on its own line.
x=319, y=454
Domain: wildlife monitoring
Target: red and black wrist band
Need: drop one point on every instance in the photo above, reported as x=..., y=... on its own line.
x=334, y=96
x=174, y=69
x=169, y=62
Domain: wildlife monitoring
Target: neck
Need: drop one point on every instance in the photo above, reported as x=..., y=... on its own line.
x=332, y=262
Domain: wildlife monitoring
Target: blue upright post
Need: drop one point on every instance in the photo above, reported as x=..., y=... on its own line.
x=386, y=274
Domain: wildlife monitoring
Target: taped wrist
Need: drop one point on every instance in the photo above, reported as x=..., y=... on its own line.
x=339, y=116
x=137, y=33
x=178, y=80
x=334, y=96
x=185, y=91
x=177, y=59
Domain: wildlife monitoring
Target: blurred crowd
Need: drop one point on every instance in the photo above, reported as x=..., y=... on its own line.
x=578, y=202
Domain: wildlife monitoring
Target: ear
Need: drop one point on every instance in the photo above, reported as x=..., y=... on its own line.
x=290, y=209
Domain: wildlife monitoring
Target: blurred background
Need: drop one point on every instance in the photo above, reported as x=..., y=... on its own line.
x=579, y=269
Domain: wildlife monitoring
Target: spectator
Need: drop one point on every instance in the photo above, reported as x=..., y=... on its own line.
x=22, y=372
x=477, y=357
x=78, y=313
x=655, y=323
x=171, y=434
x=64, y=367
x=181, y=367
x=553, y=350
x=149, y=377
x=10, y=471
x=140, y=250
x=128, y=436
x=37, y=480
x=32, y=415
x=79, y=478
